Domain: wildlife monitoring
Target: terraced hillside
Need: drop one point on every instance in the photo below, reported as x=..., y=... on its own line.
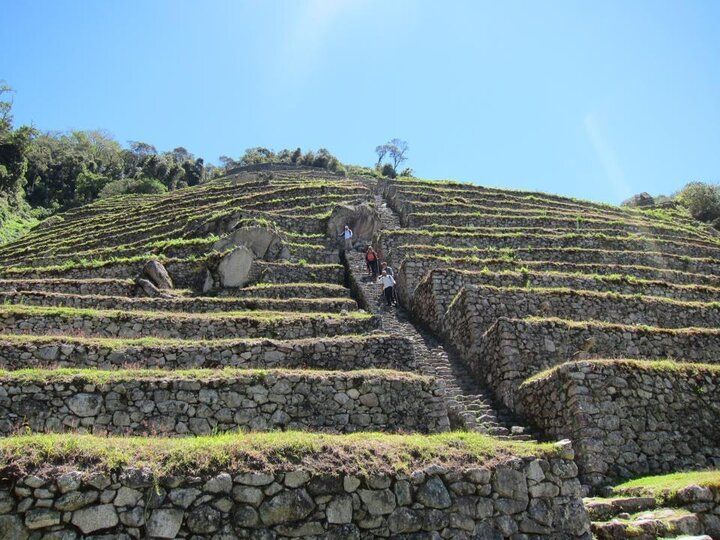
x=589, y=322
x=208, y=363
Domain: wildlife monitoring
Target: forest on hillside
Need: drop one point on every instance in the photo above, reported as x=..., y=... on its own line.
x=42, y=172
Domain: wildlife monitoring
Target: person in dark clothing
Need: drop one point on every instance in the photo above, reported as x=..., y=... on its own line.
x=371, y=258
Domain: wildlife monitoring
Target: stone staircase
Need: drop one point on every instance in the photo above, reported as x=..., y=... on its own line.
x=469, y=403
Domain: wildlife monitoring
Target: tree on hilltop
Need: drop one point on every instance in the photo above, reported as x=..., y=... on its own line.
x=396, y=150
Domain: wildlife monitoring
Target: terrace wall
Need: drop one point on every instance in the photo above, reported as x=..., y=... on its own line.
x=514, y=349
x=567, y=224
x=476, y=308
x=415, y=267
x=519, y=242
x=629, y=419
x=695, y=270
x=135, y=325
x=225, y=401
x=435, y=293
x=347, y=353
x=200, y=304
x=529, y=496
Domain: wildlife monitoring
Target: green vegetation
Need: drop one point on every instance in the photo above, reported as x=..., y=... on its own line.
x=51, y=311
x=100, y=376
x=633, y=366
x=665, y=487
x=362, y=453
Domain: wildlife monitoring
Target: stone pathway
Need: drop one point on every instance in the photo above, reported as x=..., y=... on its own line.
x=469, y=404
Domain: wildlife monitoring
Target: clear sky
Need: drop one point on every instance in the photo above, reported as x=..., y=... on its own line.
x=596, y=100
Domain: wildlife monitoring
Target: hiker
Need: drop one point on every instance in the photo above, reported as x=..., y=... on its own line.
x=347, y=234
x=385, y=267
x=388, y=283
x=371, y=259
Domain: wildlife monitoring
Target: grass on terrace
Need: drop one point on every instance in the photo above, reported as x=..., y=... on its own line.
x=605, y=278
x=665, y=487
x=100, y=376
x=532, y=320
x=123, y=343
x=590, y=293
x=29, y=311
x=361, y=454
x=633, y=366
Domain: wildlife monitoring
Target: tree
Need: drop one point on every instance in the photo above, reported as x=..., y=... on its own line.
x=5, y=108
x=702, y=200
x=397, y=149
x=381, y=150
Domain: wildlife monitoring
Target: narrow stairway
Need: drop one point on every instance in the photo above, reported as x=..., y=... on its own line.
x=469, y=403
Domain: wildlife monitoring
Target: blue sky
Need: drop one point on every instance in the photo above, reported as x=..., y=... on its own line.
x=597, y=100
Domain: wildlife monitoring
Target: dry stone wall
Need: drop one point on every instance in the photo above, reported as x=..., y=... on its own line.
x=531, y=497
x=346, y=353
x=642, y=264
x=629, y=418
x=476, y=308
x=112, y=287
x=515, y=349
x=435, y=293
x=519, y=241
x=415, y=267
x=564, y=224
x=179, y=326
x=199, y=304
x=224, y=401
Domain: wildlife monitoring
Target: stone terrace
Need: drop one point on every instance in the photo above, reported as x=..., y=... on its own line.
x=213, y=317
x=519, y=282
x=223, y=325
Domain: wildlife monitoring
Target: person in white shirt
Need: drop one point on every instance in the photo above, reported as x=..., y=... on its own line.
x=347, y=234
x=388, y=283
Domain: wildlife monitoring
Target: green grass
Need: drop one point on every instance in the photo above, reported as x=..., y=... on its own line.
x=361, y=454
x=634, y=366
x=153, y=342
x=665, y=487
x=20, y=310
x=100, y=376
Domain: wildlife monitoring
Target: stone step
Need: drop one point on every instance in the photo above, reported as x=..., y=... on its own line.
x=648, y=525
x=599, y=508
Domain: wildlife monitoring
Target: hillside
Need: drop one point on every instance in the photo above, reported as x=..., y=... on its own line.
x=210, y=363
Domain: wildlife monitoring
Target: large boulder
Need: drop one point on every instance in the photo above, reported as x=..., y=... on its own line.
x=641, y=200
x=262, y=241
x=234, y=268
x=158, y=275
x=363, y=219
x=145, y=287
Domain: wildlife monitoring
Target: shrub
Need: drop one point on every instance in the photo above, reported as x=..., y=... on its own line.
x=133, y=185
x=388, y=170
x=702, y=200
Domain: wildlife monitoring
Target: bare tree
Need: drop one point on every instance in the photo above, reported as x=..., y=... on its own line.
x=382, y=151
x=398, y=150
